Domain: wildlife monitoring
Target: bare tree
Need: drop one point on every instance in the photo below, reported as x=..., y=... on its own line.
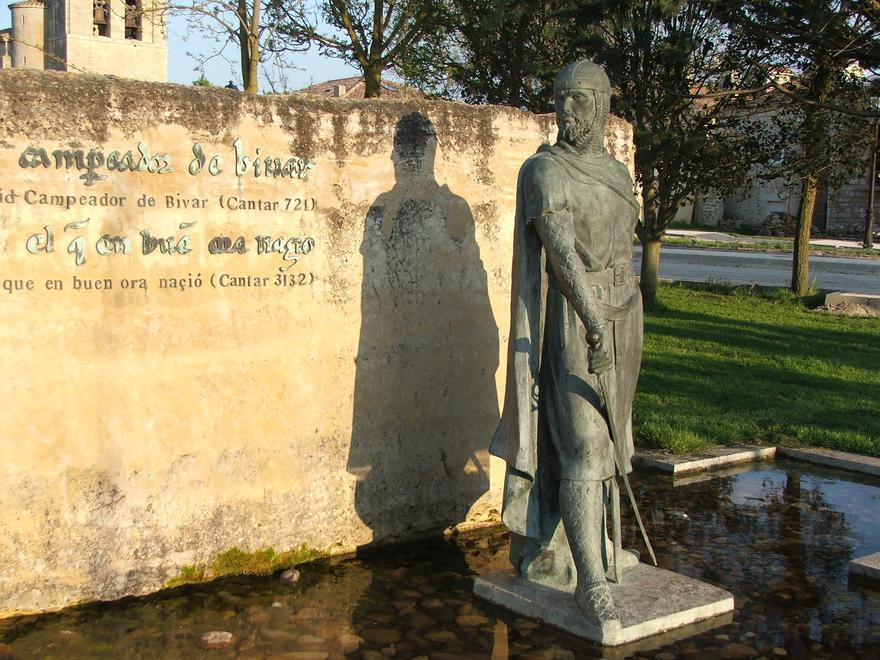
x=232, y=23
x=373, y=35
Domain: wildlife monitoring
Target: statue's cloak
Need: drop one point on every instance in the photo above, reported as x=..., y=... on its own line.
x=530, y=496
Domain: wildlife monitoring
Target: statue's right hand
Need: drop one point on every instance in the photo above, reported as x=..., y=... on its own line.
x=598, y=355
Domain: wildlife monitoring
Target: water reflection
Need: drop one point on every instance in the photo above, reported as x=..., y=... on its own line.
x=778, y=537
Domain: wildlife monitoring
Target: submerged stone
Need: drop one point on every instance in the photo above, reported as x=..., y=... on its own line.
x=349, y=643
x=217, y=639
x=381, y=635
x=291, y=575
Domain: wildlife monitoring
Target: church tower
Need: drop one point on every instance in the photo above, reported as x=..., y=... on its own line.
x=125, y=38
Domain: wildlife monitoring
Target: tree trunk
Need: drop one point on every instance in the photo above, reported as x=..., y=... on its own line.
x=650, y=238
x=800, y=261
x=249, y=48
x=252, y=82
x=650, y=272
x=516, y=85
x=813, y=134
x=373, y=80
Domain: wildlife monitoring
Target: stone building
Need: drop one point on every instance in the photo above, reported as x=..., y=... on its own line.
x=124, y=38
x=837, y=213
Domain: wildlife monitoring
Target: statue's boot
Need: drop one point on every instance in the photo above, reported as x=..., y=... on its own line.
x=582, y=514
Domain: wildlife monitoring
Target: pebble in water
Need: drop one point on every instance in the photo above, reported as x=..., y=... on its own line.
x=217, y=639
x=737, y=650
x=471, y=620
x=349, y=643
x=381, y=636
x=417, y=620
x=291, y=576
x=442, y=636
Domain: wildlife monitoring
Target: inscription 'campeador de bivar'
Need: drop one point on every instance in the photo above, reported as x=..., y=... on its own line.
x=142, y=161
x=242, y=321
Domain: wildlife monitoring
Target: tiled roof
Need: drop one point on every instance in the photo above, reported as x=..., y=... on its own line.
x=353, y=88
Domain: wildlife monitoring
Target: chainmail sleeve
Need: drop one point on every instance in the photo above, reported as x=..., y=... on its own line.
x=546, y=208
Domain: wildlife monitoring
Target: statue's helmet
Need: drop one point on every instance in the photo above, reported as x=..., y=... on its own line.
x=582, y=74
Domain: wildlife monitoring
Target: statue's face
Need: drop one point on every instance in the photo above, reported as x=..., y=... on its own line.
x=575, y=114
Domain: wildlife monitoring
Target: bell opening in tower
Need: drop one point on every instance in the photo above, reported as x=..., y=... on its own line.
x=133, y=20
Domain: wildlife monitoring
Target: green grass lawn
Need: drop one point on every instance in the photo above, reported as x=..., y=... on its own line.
x=728, y=365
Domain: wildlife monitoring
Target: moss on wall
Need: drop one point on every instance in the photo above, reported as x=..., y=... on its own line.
x=236, y=561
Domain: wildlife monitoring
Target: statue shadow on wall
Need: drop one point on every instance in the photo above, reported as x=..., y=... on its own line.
x=425, y=401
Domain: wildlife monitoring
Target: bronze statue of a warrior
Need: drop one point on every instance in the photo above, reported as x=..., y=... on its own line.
x=575, y=350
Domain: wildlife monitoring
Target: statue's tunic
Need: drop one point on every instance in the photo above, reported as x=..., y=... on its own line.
x=553, y=425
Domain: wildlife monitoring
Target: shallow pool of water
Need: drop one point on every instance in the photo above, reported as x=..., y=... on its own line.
x=779, y=536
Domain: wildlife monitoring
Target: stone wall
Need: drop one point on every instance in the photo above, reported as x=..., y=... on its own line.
x=709, y=209
x=847, y=206
x=205, y=349
x=753, y=204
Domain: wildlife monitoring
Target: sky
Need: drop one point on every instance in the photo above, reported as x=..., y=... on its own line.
x=305, y=68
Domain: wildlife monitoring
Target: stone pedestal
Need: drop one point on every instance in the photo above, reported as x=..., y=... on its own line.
x=651, y=601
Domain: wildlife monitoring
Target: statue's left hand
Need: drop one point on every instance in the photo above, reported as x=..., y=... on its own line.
x=599, y=356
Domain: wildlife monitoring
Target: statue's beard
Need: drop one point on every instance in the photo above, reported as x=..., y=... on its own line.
x=575, y=131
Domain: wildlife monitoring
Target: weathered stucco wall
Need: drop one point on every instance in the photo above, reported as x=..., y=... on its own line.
x=320, y=368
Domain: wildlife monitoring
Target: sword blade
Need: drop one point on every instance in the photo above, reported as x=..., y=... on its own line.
x=608, y=394
x=615, y=530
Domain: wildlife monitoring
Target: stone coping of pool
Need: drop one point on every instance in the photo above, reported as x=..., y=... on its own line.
x=651, y=601
x=866, y=567
x=705, y=460
x=723, y=456
x=833, y=458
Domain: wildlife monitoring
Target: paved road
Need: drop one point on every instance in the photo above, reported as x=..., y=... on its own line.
x=768, y=269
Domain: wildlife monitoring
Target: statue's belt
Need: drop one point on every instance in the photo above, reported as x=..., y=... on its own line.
x=617, y=275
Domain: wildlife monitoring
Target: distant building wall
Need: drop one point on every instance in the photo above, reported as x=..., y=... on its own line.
x=752, y=205
x=840, y=212
x=708, y=209
x=847, y=205
x=685, y=212
x=6, y=49
x=120, y=57
x=27, y=29
x=745, y=206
